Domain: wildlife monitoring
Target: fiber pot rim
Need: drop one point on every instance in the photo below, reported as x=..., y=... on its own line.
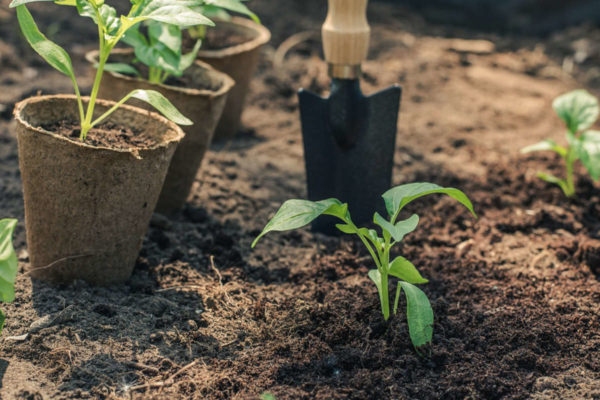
x=226, y=81
x=177, y=137
x=264, y=35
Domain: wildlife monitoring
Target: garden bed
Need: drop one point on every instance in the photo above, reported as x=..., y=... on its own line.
x=516, y=294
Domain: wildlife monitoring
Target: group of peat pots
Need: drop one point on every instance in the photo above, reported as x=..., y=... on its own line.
x=88, y=205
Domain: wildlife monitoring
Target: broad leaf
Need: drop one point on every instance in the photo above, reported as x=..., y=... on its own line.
x=188, y=59
x=54, y=55
x=295, y=214
x=578, y=109
x=232, y=5
x=400, y=229
x=398, y=197
x=174, y=12
x=162, y=104
x=403, y=269
x=545, y=145
x=108, y=16
x=419, y=315
x=8, y=260
x=588, y=149
x=17, y=3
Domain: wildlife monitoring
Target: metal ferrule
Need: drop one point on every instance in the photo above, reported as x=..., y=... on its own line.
x=340, y=71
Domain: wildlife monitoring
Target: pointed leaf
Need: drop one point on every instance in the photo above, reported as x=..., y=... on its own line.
x=398, y=197
x=188, y=59
x=17, y=3
x=233, y=5
x=54, y=55
x=403, y=269
x=578, y=109
x=174, y=12
x=545, y=145
x=120, y=68
x=589, y=152
x=295, y=214
x=419, y=315
x=162, y=104
x=8, y=260
x=375, y=276
x=399, y=230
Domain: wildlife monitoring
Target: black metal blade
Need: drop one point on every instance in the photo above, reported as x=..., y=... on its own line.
x=349, y=143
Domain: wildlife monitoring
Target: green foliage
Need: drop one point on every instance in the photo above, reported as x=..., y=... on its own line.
x=579, y=110
x=295, y=214
x=8, y=264
x=111, y=29
x=158, y=45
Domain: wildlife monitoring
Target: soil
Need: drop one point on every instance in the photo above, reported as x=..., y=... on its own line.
x=516, y=293
x=105, y=134
x=221, y=37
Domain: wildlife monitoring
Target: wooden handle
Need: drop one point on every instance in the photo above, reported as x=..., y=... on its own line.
x=346, y=35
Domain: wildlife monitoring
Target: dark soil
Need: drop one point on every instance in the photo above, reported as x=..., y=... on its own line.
x=105, y=134
x=221, y=37
x=516, y=293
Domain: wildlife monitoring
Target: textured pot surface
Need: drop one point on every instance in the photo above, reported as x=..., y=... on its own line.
x=87, y=208
x=239, y=62
x=203, y=102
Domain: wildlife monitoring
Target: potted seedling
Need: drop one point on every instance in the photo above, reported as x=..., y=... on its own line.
x=295, y=214
x=579, y=110
x=233, y=47
x=92, y=169
x=156, y=62
x=8, y=264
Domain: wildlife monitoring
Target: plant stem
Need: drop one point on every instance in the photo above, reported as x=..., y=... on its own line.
x=569, y=188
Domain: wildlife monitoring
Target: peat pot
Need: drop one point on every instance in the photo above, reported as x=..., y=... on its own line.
x=87, y=207
x=239, y=62
x=202, y=100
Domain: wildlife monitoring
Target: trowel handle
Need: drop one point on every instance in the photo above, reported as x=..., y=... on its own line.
x=346, y=35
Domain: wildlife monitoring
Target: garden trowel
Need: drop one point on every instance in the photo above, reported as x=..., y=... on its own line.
x=349, y=139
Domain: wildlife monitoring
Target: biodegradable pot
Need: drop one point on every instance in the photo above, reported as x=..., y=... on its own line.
x=87, y=208
x=203, y=103
x=239, y=62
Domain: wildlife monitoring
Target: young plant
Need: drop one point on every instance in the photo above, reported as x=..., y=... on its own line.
x=8, y=264
x=159, y=45
x=579, y=110
x=295, y=214
x=111, y=29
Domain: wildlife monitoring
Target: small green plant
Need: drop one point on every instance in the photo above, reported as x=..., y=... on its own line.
x=111, y=29
x=579, y=110
x=8, y=265
x=295, y=214
x=159, y=45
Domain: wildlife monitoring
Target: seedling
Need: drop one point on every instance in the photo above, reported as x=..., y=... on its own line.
x=579, y=110
x=158, y=45
x=295, y=214
x=111, y=29
x=8, y=265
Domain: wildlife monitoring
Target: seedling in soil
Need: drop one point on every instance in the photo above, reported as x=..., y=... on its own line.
x=8, y=264
x=111, y=29
x=158, y=45
x=295, y=214
x=579, y=110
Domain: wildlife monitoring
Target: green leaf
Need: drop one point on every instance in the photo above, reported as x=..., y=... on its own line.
x=17, y=3
x=545, y=145
x=419, y=315
x=174, y=12
x=162, y=104
x=403, y=269
x=295, y=214
x=347, y=228
x=578, y=109
x=54, y=55
x=550, y=178
x=233, y=5
x=120, y=68
x=398, y=197
x=375, y=276
x=188, y=59
x=588, y=149
x=2, y=320
x=399, y=230
x=8, y=260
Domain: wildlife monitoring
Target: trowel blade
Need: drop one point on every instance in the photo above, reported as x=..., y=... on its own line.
x=358, y=174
